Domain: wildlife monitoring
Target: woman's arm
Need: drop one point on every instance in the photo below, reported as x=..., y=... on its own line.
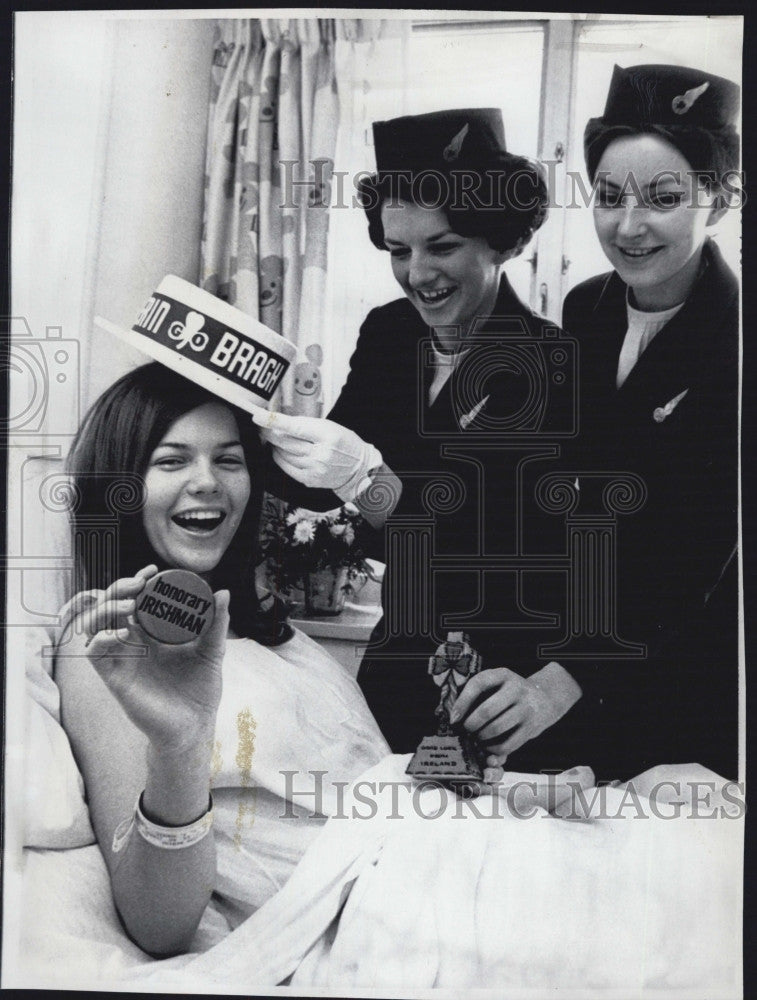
x=144, y=725
x=322, y=463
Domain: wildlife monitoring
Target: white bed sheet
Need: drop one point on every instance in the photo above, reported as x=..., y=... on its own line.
x=607, y=907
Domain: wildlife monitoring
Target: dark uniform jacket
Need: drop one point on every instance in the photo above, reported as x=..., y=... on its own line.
x=455, y=544
x=677, y=571
x=469, y=547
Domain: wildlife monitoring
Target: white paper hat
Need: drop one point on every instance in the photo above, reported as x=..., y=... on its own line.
x=210, y=342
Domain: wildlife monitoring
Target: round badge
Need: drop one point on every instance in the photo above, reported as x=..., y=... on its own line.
x=176, y=606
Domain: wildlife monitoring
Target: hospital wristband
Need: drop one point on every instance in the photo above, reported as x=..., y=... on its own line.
x=170, y=838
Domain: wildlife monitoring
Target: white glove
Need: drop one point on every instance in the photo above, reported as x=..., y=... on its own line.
x=318, y=452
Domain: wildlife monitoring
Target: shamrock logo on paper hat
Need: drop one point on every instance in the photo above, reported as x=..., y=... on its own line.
x=210, y=342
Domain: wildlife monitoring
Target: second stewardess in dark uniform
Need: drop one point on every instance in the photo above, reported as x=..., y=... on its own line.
x=659, y=349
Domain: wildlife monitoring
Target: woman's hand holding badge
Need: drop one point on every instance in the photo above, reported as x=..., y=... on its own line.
x=169, y=692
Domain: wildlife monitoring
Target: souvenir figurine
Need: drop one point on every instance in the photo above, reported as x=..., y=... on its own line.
x=451, y=756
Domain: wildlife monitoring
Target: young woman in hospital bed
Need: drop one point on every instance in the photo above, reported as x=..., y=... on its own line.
x=316, y=862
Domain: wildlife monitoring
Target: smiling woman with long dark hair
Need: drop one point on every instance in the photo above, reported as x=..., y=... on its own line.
x=119, y=435
x=160, y=724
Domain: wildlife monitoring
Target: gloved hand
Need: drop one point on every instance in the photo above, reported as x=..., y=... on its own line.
x=318, y=452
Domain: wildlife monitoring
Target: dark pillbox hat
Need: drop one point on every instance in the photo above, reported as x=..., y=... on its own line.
x=670, y=95
x=470, y=138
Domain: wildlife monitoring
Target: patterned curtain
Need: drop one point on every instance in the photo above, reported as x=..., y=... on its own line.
x=272, y=133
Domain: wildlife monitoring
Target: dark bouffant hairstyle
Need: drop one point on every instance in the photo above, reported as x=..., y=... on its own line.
x=712, y=153
x=116, y=439
x=505, y=202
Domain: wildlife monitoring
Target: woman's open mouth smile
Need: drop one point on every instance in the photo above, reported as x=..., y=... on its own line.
x=199, y=522
x=637, y=253
x=436, y=297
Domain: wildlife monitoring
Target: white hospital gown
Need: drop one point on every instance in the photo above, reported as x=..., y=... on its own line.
x=291, y=723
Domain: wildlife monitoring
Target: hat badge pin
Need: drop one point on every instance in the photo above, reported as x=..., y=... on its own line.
x=684, y=102
x=452, y=149
x=189, y=332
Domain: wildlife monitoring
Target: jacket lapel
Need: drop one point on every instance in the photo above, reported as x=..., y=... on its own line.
x=665, y=369
x=677, y=359
x=506, y=315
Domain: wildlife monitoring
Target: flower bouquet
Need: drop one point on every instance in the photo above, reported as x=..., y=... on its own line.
x=317, y=552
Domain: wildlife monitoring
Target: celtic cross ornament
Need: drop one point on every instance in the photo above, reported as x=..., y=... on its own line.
x=452, y=756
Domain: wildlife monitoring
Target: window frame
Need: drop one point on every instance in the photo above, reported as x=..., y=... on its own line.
x=559, y=55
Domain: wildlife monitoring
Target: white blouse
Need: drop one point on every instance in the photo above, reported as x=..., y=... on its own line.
x=642, y=328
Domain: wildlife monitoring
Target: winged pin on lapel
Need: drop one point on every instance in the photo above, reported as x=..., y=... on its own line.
x=661, y=413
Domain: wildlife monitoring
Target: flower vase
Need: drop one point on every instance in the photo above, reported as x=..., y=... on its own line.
x=326, y=591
